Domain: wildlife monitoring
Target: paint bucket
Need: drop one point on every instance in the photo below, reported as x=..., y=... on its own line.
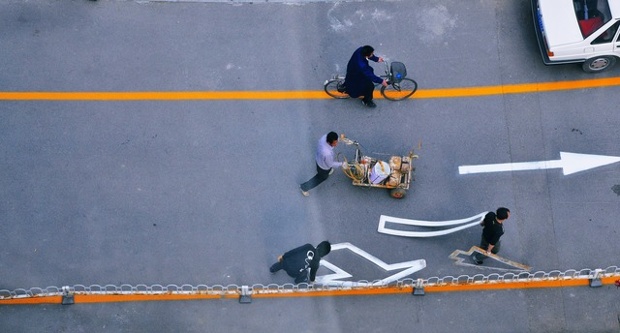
x=379, y=172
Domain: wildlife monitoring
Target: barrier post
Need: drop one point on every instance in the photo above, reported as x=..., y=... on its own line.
x=418, y=289
x=67, y=296
x=246, y=295
x=596, y=282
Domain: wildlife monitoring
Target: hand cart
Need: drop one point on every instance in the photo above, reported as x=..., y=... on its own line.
x=395, y=173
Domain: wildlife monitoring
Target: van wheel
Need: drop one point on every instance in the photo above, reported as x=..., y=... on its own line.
x=598, y=64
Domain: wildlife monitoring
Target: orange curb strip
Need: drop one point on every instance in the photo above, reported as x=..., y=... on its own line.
x=32, y=300
x=141, y=297
x=115, y=298
x=522, y=88
x=330, y=293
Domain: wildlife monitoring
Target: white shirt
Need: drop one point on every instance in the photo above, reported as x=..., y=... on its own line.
x=325, y=155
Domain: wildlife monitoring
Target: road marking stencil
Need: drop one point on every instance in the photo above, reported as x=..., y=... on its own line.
x=461, y=260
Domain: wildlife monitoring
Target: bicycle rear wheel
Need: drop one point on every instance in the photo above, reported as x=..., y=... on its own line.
x=399, y=91
x=335, y=88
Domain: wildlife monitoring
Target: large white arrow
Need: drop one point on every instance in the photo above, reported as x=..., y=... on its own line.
x=569, y=163
x=409, y=267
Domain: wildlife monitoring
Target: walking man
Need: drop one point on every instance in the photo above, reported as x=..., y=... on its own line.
x=493, y=229
x=360, y=77
x=302, y=263
x=325, y=161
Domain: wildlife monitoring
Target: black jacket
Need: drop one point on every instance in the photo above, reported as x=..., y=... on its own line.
x=492, y=229
x=301, y=263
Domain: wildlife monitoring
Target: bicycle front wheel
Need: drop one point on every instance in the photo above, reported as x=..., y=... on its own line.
x=335, y=88
x=399, y=91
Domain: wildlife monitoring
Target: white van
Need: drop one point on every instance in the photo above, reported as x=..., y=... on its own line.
x=578, y=31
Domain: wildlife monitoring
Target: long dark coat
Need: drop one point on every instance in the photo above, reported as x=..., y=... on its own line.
x=360, y=74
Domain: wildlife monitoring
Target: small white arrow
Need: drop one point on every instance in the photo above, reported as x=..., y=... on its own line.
x=461, y=260
x=569, y=163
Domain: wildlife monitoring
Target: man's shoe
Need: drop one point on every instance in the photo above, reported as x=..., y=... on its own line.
x=273, y=269
x=304, y=193
x=369, y=104
x=476, y=261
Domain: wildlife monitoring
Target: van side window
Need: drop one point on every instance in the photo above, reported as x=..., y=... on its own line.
x=608, y=35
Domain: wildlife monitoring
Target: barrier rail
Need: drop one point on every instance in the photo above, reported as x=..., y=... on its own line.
x=141, y=292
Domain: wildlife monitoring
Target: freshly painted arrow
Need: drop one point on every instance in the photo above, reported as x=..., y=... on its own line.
x=409, y=267
x=461, y=224
x=569, y=163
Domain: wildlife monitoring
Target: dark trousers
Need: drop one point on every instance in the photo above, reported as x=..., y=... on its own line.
x=321, y=176
x=485, y=245
x=276, y=267
x=369, y=88
x=301, y=276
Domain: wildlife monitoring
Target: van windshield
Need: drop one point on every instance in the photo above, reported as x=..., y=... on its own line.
x=591, y=15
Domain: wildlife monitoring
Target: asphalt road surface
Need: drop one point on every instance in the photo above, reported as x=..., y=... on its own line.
x=199, y=191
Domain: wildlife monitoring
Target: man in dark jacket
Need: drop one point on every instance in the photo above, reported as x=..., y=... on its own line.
x=360, y=76
x=493, y=229
x=303, y=262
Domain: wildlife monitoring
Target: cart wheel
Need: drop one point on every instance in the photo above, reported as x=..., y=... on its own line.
x=398, y=193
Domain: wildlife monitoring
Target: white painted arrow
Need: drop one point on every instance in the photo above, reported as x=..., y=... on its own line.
x=569, y=163
x=461, y=224
x=409, y=267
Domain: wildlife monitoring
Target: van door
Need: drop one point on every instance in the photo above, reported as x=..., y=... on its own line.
x=605, y=40
x=617, y=40
x=604, y=49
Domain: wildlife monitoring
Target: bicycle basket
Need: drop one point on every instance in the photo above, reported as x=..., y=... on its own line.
x=399, y=71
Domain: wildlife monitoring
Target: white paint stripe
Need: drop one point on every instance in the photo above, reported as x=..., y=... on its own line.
x=502, y=167
x=569, y=163
x=474, y=220
x=424, y=234
x=423, y=223
x=339, y=273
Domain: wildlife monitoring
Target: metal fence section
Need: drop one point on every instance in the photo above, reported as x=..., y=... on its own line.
x=510, y=280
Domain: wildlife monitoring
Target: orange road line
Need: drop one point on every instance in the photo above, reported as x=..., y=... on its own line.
x=521, y=88
x=114, y=298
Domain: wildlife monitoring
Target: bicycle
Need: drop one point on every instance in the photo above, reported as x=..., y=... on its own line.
x=398, y=87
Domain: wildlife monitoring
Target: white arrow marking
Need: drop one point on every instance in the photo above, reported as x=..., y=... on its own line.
x=569, y=162
x=332, y=279
x=463, y=224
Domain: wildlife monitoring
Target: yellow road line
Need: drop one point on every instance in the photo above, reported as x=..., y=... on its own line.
x=460, y=287
x=522, y=88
